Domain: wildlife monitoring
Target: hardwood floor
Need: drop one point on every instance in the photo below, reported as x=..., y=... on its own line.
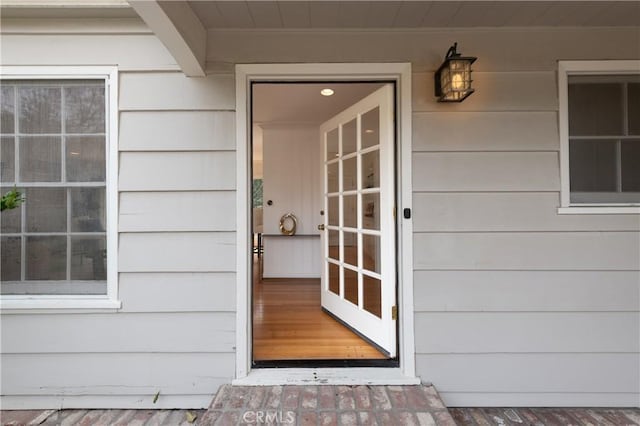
x=288, y=324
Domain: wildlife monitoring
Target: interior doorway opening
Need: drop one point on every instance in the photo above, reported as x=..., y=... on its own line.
x=298, y=188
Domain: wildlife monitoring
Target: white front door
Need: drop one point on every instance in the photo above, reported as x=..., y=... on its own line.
x=359, y=254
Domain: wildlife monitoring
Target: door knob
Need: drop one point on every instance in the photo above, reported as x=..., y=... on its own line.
x=321, y=227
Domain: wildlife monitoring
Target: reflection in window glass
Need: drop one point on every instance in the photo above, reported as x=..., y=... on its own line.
x=630, y=153
x=371, y=128
x=334, y=278
x=349, y=137
x=351, y=286
x=592, y=165
x=40, y=159
x=46, y=258
x=372, y=295
x=7, y=159
x=88, y=258
x=10, y=247
x=595, y=109
x=54, y=151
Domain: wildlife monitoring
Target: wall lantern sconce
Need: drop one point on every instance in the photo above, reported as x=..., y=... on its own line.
x=453, y=78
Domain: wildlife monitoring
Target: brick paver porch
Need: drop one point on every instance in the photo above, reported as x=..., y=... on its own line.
x=329, y=405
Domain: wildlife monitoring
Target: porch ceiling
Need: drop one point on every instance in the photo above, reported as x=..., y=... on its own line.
x=413, y=14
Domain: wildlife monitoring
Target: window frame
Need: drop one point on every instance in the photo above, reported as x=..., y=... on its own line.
x=566, y=69
x=108, y=301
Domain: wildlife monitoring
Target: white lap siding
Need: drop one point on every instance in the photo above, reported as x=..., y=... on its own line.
x=175, y=333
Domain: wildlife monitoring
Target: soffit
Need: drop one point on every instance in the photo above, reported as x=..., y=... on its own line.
x=282, y=14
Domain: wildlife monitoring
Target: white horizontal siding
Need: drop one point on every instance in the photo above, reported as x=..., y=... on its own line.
x=175, y=171
x=486, y=171
x=177, y=131
x=494, y=91
x=177, y=252
x=528, y=291
x=156, y=211
x=485, y=131
x=121, y=332
x=175, y=91
x=528, y=251
x=553, y=372
x=529, y=332
x=131, y=51
x=116, y=374
x=508, y=211
x=178, y=292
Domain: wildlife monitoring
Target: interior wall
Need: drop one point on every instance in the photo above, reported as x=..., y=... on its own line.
x=292, y=182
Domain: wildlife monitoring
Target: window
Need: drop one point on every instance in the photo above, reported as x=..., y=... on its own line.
x=57, y=148
x=600, y=135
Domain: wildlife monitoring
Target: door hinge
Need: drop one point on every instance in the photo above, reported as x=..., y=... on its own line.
x=394, y=212
x=394, y=312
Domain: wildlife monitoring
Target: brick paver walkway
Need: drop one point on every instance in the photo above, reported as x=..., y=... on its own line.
x=328, y=405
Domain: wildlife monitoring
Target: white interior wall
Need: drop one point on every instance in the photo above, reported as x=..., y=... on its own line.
x=291, y=167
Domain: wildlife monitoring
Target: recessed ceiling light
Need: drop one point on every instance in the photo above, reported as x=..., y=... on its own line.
x=326, y=92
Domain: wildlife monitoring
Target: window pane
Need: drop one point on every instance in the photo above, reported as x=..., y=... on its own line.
x=349, y=135
x=7, y=159
x=372, y=295
x=334, y=245
x=630, y=153
x=88, y=258
x=371, y=211
x=84, y=109
x=10, y=253
x=332, y=144
x=46, y=258
x=40, y=110
x=350, y=174
x=371, y=169
x=332, y=177
x=351, y=211
x=11, y=220
x=592, y=165
x=333, y=211
x=595, y=109
x=40, y=159
x=46, y=209
x=371, y=252
x=334, y=278
x=634, y=108
x=351, y=248
x=371, y=128
x=351, y=286
x=86, y=159
x=88, y=209
x=7, y=113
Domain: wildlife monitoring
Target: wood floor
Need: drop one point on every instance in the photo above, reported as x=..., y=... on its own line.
x=288, y=324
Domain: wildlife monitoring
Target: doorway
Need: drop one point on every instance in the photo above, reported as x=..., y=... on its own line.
x=402, y=371
x=323, y=198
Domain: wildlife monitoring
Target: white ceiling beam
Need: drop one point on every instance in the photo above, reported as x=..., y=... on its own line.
x=179, y=29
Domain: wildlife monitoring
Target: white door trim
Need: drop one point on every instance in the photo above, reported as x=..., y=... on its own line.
x=401, y=74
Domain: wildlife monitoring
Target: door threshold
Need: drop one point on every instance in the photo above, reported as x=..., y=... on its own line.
x=326, y=363
x=326, y=376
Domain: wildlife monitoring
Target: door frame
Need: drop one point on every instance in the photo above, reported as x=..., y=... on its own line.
x=245, y=75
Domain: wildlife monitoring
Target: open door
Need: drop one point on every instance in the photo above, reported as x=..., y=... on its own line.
x=358, y=234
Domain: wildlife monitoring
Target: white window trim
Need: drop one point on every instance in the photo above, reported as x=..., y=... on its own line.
x=405, y=373
x=565, y=69
x=54, y=303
